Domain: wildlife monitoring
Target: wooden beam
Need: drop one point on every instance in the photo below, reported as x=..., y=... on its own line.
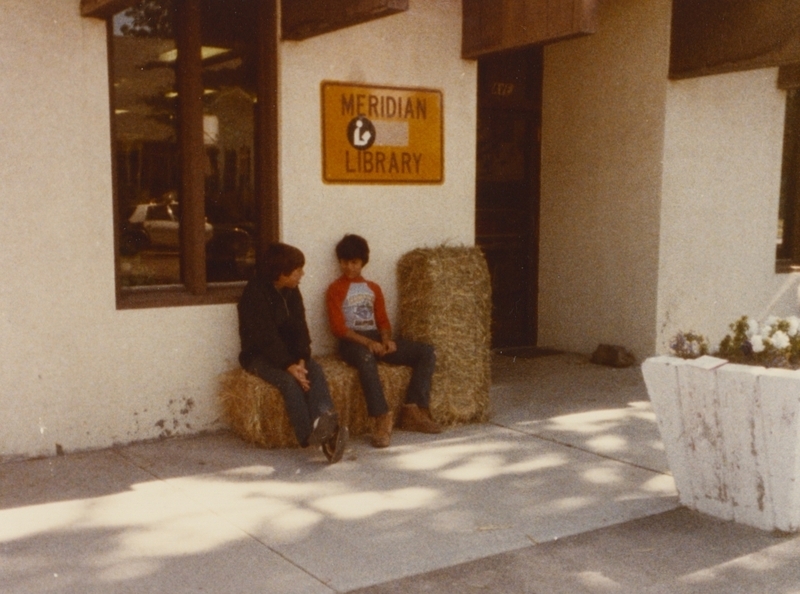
x=301, y=19
x=789, y=76
x=491, y=27
x=103, y=9
x=716, y=36
x=190, y=139
x=266, y=153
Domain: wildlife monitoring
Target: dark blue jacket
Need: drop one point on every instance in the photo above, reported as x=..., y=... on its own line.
x=272, y=325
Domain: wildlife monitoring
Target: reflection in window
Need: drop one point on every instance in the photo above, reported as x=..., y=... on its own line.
x=147, y=114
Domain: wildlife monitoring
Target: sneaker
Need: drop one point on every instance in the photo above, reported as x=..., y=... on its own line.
x=414, y=418
x=382, y=431
x=334, y=447
x=324, y=428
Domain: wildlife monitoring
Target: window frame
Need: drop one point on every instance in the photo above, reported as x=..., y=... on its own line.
x=787, y=253
x=195, y=288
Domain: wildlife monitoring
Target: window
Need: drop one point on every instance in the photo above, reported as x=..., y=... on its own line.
x=788, y=241
x=193, y=127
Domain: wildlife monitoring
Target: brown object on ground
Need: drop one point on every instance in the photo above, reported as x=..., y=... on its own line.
x=445, y=300
x=613, y=356
x=255, y=411
x=414, y=418
x=382, y=432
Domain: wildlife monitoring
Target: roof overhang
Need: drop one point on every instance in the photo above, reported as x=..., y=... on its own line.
x=103, y=9
x=717, y=36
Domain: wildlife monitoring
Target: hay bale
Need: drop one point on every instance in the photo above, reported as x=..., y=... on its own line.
x=348, y=397
x=445, y=300
x=254, y=409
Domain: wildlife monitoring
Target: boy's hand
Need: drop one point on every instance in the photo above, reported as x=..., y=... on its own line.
x=300, y=373
x=387, y=344
x=376, y=348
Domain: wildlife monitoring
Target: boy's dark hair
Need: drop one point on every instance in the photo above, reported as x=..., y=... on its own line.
x=353, y=247
x=281, y=258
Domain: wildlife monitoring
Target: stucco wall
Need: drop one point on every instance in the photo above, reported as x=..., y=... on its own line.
x=417, y=48
x=76, y=372
x=721, y=185
x=602, y=134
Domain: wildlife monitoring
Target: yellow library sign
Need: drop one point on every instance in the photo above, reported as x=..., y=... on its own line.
x=386, y=135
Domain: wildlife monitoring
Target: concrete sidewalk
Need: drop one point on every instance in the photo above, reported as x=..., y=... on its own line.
x=566, y=490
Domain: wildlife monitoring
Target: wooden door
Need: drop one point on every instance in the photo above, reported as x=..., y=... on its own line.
x=507, y=189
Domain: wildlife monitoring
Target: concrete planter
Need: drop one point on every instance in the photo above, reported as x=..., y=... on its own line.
x=732, y=437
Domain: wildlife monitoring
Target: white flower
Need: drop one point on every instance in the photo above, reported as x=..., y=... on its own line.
x=780, y=339
x=758, y=343
x=768, y=327
x=794, y=325
x=752, y=327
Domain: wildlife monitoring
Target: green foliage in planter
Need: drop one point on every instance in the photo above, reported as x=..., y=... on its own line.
x=689, y=345
x=773, y=343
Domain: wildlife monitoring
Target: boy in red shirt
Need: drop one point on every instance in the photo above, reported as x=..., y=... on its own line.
x=357, y=316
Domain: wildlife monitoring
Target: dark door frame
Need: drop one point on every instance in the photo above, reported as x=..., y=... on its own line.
x=510, y=95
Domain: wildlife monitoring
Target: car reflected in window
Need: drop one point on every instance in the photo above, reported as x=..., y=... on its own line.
x=155, y=226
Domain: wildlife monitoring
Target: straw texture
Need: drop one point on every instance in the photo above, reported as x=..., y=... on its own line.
x=254, y=409
x=445, y=300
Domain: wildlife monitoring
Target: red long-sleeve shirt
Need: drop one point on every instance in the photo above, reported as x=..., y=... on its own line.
x=355, y=309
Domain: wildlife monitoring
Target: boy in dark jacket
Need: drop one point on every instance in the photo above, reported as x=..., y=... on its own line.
x=276, y=346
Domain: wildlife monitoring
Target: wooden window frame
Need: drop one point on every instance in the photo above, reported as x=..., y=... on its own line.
x=787, y=256
x=195, y=289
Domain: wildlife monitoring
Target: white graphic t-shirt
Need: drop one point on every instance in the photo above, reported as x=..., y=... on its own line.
x=359, y=307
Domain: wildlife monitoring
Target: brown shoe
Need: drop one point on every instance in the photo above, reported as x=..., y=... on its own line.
x=414, y=418
x=382, y=431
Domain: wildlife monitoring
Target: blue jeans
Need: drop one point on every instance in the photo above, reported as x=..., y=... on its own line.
x=302, y=407
x=419, y=356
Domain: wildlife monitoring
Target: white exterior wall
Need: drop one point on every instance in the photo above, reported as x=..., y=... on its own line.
x=720, y=192
x=658, y=209
x=77, y=372
x=417, y=48
x=74, y=371
x=602, y=135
